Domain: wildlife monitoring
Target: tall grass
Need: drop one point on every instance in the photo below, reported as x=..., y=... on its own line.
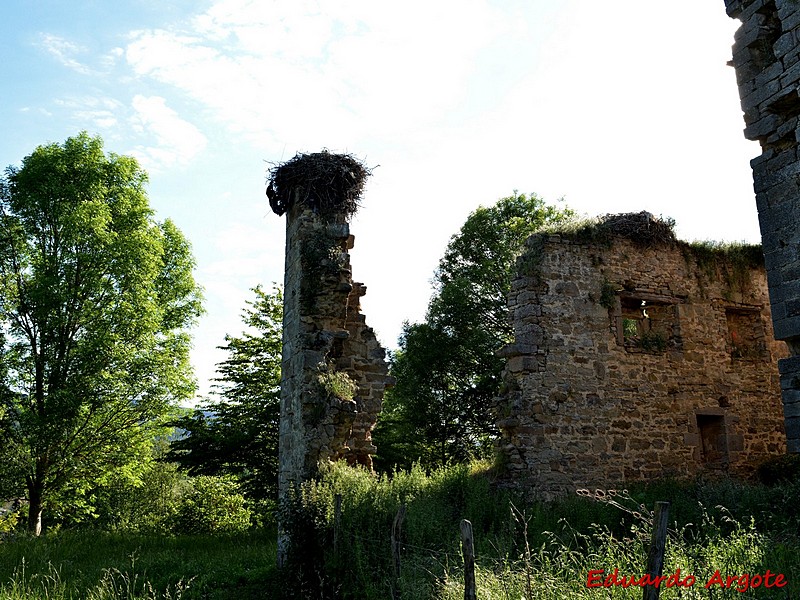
x=528, y=550
x=99, y=565
x=113, y=585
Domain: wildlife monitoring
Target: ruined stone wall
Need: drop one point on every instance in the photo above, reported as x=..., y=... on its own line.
x=634, y=363
x=766, y=55
x=333, y=369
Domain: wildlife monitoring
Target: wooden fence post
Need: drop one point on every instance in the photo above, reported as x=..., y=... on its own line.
x=468, y=548
x=397, y=528
x=655, y=558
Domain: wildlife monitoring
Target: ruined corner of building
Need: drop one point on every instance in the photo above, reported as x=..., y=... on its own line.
x=766, y=56
x=637, y=356
x=334, y=371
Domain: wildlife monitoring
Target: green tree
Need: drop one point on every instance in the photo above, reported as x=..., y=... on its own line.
x=95, y=299
x=238, y=433
x=446, y=368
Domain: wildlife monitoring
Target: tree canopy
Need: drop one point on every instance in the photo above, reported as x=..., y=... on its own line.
x=95, y=300
x=446, y=368
x=237, y=434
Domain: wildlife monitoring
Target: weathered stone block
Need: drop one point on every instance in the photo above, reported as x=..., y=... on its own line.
x=785, y=7
x=763, y=93
x=789, y=366
x=734, y=8
x=792, y=425
x=787, y=328
x=779, y=311
x=791, y=410
x=791, y=397
x=786, y=43
x=790, y=19
x=749, y=7
x=764, y=126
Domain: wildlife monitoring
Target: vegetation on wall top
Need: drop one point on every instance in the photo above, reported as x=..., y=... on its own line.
x=732, y=260
x=645, y=229
x=737, y=255
x=642, y=228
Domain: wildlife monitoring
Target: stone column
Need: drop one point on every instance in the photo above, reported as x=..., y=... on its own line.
x=766, y=55
x=333, y=372
x=317, y=400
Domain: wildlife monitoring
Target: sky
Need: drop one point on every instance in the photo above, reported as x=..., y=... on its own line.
x=610, y=107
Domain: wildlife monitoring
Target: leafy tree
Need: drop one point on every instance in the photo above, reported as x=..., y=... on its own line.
x=95, y=299
x=238, y=433
x=446, y=368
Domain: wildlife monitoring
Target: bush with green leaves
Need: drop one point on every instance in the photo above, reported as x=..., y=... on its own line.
x=213, y=504
x=149, y=504
x=783, y=468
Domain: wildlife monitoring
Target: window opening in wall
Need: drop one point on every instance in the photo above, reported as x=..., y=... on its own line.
x=746, y=338
x=714, y=444
x=645, y=325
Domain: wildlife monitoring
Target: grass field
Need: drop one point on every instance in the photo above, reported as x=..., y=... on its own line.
x=96, y=565
x=524, y=550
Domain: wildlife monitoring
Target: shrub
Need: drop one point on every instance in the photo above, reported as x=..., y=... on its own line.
x=780, y=469
x=149, y=505
x=213, y=504
x=10, y=518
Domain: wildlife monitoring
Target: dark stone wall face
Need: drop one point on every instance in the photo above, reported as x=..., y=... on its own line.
x=766, y=55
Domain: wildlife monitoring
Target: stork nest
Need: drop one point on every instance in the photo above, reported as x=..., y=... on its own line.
x=327, y=183
x=642, y=228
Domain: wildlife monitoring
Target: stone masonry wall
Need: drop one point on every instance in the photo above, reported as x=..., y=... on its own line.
x=333, y=369
x=634, y=363
x=766, y=55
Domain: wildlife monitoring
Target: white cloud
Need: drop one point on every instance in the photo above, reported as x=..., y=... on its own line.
x=64, y=51
x=242, y=252
x=41, y=111
x=92, y=112
x=309, y=74
x=177, y=140
x=111, y=58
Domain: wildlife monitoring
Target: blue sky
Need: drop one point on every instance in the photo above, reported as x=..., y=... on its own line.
x=614, y=106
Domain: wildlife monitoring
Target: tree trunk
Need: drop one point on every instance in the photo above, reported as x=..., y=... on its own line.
x=36, y=501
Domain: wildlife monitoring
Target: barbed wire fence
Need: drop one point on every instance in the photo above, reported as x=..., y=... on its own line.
x=438, y=564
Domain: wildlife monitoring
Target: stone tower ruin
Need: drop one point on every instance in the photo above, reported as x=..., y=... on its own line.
x=766, y=55
x=333, y=372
